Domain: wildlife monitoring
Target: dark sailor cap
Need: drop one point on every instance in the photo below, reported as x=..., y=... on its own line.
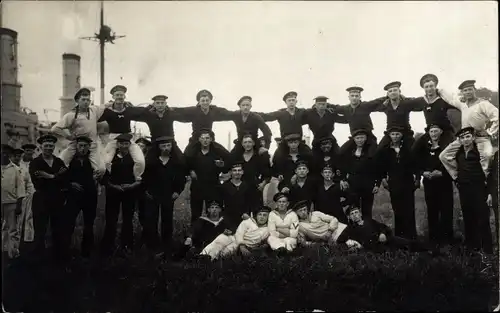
x=84, y=139
x=124, y=137
x=144, y=141
x=159, y=97
x=278, y=196
x=300, y=204
x=433, y=125
x=359, y=131
x=354, y=89
x=466, y=131
x=204, y=93
x=277, y=139
x=17, y=151
x=29, y=146
x=237, y=163
x=263, y=208
x=391, y=85
x=164, y=139
x=428, y=77
x=395, y=128
x=301, y=163
x=47, y=138
x=293, y=136
x=320, y=99
x=290, y=94
x=467, y=83
x=243, y=99
x=216, y=203
x=118, y=88
x=80, y=92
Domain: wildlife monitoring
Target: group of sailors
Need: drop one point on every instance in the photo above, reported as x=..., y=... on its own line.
x=322, y=193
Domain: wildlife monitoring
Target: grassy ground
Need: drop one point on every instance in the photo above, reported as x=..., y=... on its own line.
x=318, y=278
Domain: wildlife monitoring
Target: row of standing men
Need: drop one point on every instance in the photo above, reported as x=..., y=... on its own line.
x=397, y=143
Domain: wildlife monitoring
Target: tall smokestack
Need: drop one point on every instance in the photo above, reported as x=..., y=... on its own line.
x=11, y=88
x=71, y=81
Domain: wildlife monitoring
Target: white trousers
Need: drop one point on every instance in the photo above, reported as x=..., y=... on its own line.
x=288, y=243
x=448, y=155
x=135, y=153
x=94, y=157
x=221, y=246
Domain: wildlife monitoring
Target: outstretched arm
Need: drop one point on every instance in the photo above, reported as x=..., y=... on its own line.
x=271, y=116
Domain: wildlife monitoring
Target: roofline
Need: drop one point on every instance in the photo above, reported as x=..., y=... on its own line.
x=71, y=56
x=7, y=31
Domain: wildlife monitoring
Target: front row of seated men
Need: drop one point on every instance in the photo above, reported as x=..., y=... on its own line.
x=283, y=229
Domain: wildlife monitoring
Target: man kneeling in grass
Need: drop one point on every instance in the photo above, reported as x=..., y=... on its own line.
x=373, y=235
x=250, y=236
x=318, y=227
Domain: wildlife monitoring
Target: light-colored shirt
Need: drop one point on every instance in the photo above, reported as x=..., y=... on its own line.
x=250, y=234
x=482, y=115
x=28, y=184
x=85, y=123
x=321, y=226
x=13, y=187
x=291, y=221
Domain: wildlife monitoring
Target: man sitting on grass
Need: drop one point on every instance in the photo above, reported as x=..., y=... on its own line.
x=283, y=226
x=250, y=236
x=318, y=227
x=374, y=236
x=205, y=229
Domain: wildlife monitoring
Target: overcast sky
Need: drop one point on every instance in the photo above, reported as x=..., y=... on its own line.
x=261, y=49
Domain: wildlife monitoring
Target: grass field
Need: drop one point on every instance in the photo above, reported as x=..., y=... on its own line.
x=318, y=278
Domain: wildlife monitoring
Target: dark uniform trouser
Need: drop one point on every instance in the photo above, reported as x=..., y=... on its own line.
x=365, y=198
x=494, y=197
x=446, y=138
x=81, y=201
x=48, y=206
x=476, y=216
x=198, y=197
x=151, y=216
x=114, y=199
x=439, y=201
x=349, y=145
x=403, y=205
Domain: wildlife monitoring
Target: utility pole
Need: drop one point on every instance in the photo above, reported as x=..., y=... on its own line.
x=104, y=36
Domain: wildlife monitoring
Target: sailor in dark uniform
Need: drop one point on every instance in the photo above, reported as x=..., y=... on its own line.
x=438, y=186
x=163, y=182
x=284, y=165
x=202, y=116
x=49, y=176
x=397, y=163
x=325, y=152
x=303, y=187
x=328, y=195
x=256, y=169
x=205, y=166
x=82, y=196
x=473, y=192
x=121, y=191
x=236, y=195
x=357, y=164
x=290, y=120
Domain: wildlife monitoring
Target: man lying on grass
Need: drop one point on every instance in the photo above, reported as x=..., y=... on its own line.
x=204, y=230
x=250, y=236
x=318, y=227
x=375, y=236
